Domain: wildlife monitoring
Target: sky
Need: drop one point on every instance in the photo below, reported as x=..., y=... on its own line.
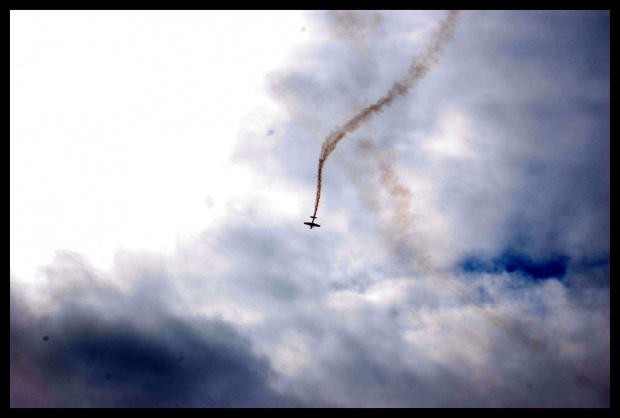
x=163, y=163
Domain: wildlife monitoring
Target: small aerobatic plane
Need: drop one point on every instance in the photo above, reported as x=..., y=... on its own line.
x=311, y=224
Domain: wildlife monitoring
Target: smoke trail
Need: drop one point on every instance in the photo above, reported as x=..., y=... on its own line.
x=419, y=68
x=402, y=230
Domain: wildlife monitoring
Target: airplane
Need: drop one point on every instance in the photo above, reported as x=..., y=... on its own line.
x=311, y=224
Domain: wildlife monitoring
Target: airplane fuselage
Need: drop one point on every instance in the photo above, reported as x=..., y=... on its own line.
x=312, y=224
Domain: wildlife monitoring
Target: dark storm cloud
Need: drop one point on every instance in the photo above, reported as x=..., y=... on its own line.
x=140, y=356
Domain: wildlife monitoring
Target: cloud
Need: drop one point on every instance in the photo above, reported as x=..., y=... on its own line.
x=359, y=27
x=454, y=139
x=463, y=262
x=130, y=350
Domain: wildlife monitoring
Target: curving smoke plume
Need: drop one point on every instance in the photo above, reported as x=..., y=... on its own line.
x=419, y=68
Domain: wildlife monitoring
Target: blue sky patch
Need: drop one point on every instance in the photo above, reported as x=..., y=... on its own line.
x=514, y=262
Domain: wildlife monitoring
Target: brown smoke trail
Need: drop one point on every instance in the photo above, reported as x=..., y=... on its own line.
x=401, y=230
x=419, y=68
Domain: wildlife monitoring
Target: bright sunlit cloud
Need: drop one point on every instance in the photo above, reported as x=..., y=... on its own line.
x=120, y=130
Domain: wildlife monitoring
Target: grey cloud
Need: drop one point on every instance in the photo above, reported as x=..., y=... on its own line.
x=535, y=86
x=118, y=348
x=130, y=351
x=336, y=327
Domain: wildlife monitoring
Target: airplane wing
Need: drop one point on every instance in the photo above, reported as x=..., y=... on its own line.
x=307, y=223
